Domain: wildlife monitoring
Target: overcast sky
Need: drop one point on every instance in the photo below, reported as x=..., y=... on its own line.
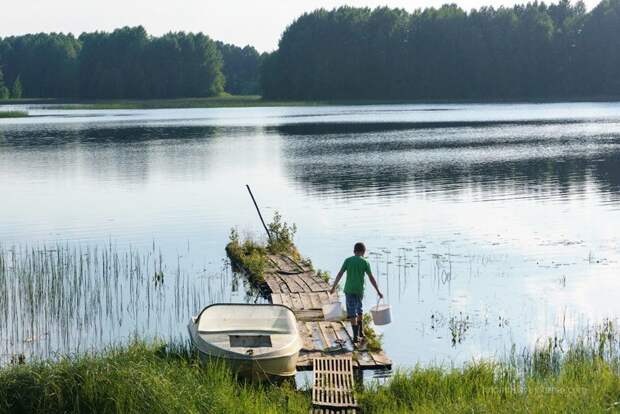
x=256, y=22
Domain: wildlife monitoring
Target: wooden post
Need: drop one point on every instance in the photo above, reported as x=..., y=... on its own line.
x=258, y=210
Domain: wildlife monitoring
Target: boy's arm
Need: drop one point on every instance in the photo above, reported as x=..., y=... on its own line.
x=338, y=277
x=373, y=282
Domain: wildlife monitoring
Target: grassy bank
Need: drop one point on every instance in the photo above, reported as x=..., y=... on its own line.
x=251, y=101
x=13, y=114
x=581, y=376
x=226, y=101
x=580, y=386
x=139, y=379
x=144, y=378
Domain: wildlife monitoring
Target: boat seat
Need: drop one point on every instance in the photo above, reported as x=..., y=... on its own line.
x=264, y=320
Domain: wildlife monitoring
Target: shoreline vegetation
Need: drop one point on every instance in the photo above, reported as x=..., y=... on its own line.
x=161, y=378
x=256, y=101
x=529, y=51
x=13, y=114
x=251, y=255
x=139, y=376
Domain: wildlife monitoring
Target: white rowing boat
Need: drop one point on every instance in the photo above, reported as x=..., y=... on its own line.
x=259, y=340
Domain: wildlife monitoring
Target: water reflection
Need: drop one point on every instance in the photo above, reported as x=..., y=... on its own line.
x=492, y=162
x=33, y=137
x=489, y=225
x=324, y=128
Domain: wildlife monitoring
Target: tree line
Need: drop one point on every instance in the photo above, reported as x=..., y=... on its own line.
x=535, y=50
x=126, y=63
x=526, y=51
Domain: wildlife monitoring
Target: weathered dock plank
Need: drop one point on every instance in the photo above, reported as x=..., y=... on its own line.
x=322, y=338
x=285, y=264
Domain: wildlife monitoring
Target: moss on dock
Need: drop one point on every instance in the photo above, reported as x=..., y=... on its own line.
x=248, y=255
x=251, y=255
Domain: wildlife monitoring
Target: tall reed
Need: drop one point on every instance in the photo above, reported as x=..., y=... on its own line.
x=66, y=298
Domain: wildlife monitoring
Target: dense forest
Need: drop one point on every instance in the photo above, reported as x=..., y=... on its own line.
x=127, y=63
x=534, y=50
x=527, y=51
x=241, y=69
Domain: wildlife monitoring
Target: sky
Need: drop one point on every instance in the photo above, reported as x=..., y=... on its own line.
x=255, y=22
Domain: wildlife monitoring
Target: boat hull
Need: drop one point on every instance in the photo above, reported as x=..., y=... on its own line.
x=275, y=355
x=264, y=369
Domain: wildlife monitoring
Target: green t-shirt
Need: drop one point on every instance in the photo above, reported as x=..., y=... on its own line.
x=356, y=267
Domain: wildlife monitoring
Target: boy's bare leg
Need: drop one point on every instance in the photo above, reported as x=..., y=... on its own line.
x=354, y=326
x=360, y=326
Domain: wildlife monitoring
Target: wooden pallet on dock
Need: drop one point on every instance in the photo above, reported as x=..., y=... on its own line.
x=333, y=386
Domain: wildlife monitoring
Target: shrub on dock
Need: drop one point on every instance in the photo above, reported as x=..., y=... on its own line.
x=251, y=255
x=282, y=235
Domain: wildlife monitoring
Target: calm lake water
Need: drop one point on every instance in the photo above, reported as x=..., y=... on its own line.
x=488, y=225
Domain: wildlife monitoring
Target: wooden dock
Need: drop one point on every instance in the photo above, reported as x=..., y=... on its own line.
x=327, y=346
x=297, y=286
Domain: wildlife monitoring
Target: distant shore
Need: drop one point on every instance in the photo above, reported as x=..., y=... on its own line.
x=13, y=114
x=253, y=101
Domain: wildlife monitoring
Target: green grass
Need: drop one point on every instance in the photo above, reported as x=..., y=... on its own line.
x=13, y=114
x=249, y=255
x=556, y=377
x=142, y=378
x=139, y=379
x=580, y=386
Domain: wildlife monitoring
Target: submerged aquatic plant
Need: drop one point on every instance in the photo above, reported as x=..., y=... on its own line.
x=458, y=328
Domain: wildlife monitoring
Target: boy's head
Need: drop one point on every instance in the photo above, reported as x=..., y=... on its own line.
x=359, y=249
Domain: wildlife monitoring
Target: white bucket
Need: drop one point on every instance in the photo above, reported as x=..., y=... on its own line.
x=334, y=312
x=381, y=314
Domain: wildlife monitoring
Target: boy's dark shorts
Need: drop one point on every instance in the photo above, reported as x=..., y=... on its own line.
x=354, y=305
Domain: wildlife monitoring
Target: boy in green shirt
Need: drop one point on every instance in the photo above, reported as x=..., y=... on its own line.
x=356, y=266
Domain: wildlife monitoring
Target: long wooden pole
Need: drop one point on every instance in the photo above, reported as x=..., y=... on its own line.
x=258, y=211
